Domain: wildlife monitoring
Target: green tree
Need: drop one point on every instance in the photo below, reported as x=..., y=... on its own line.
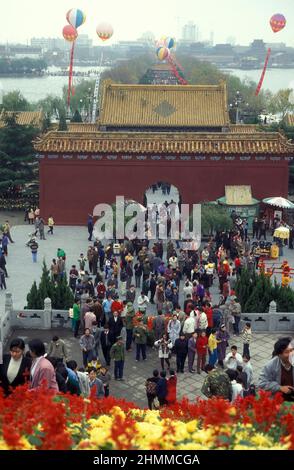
x=46, y=286
x=244, y=286
x=83, y=96
x=64, y=297
x=15, y=101
x=18, y=165
x=280, y=104
x=52, y=106
x=34, y=300
x=214, y=218
x=62, y=126
x=76, y=117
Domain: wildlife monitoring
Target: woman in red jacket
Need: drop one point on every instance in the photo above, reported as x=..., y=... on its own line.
x=201, y=348
x=171, y=396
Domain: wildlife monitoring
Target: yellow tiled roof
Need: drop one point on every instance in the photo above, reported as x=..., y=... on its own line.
x=243, y=128
x=164, y=105
x=170, y=143
x=24, y=118
x=290, y=119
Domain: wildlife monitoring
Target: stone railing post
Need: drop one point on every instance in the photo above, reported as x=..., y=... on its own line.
x=47, y=313
x=8, y=302
x=272, y=316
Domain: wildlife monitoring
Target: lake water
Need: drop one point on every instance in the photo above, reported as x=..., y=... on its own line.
x=34, y=89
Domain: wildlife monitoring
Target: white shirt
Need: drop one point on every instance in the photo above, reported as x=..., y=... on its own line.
x=237, y=390
x=233, y=361
x=13, y=369
x=143, y=300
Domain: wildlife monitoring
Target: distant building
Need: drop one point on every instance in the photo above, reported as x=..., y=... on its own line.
x=50, y=44
x=21, y=52
x=160, y=74
x=190, y=32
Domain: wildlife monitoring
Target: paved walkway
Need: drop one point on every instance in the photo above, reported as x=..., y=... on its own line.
x=22, y=272
x=135, y=373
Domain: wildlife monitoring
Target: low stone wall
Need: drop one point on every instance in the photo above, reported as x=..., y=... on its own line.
x=270, y=322
x=46, y=319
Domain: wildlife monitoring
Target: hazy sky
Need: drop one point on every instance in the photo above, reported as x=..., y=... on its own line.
x=243, y=19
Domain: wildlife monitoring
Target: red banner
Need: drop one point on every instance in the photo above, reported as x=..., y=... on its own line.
x=263, y=73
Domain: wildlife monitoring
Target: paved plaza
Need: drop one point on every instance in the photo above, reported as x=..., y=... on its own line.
x=22, y=272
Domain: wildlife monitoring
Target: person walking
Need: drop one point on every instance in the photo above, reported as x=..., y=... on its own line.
x=117, y=353
x=246, y=337
x=235, y=311
x=161, y=388
x=151, y=386
x=57, y=348
x=164, y=346
x=15, y=367
x=42, y=371
x=34, y=249
x=140, y=335
x=129, y=323
x=278, y=374
x=212, y=348
x=158, y=326
x=192, y=351
x=106, y=344
x=222, y=338
x=105, y=377
x=96, y=385
x=217, y=384
x=76, y=320
x=233, y=359
x=50, y=224
x=171, y=396
x=87, y=343
x=42, y=228
x=201, y=347
x=181, y=350
x=174, y=328
x=90, y=224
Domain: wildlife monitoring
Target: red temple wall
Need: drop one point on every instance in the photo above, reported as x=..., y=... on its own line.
x=70, y=189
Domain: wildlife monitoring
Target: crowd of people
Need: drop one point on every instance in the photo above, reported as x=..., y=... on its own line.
x=115, y=286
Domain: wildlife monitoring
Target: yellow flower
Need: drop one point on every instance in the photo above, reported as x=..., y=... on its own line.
x=204, y=436
x=260, y=440
x=192, y=426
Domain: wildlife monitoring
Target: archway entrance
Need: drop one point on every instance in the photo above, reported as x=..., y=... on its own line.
x=161, y=193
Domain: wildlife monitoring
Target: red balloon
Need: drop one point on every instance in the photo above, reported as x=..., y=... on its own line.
x=277, y=22
x=69, y=33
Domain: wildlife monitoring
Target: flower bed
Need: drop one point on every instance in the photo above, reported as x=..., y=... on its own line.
x=38, y=420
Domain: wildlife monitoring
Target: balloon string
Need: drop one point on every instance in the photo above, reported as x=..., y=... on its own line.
x=70, y=75
x=263, y=73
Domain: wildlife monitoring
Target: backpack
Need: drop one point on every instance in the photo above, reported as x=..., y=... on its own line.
x=150, y=388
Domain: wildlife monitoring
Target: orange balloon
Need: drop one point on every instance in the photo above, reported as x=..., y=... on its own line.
x=69, y=33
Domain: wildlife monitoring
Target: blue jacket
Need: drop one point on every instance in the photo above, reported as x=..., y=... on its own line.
x=161, y=388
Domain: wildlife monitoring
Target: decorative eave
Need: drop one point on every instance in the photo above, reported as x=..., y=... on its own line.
x=165, y=143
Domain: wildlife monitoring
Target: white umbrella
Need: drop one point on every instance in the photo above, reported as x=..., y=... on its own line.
x=279, y=202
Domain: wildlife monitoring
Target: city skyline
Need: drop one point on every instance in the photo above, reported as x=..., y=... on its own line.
x=245, y=20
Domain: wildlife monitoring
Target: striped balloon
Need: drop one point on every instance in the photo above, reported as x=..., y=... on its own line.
x=76, y=17
x=104, y=31
x=170, y=43
x=69, y=33
x=162, y=53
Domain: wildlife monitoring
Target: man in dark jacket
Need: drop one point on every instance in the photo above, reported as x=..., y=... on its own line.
x=152, y=288
x=131, y=294
x=161, y=388
x=105, y=345
x=181, y=350
x=115, y=325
